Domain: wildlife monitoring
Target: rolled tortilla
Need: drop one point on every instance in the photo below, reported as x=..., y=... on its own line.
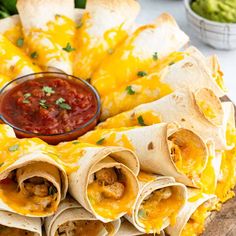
x=128, y=229
x=72, y=218
x=104, y=25
x=191, y=219
x=105, y=181
x=14, y=62
x=179, y=71
x=200, y=111
x=14, y=224
x=32, y=182
x=6, y=132
x=49, y=37
x=159, y=202
x=161, y=149
x=140, y=52
x=11, y=28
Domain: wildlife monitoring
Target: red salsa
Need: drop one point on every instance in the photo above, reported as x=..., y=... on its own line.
x=49, y=105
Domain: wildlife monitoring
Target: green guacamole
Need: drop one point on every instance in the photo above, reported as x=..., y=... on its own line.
x=216, y=10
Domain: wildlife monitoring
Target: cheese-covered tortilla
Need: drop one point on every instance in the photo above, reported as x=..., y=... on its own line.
x=104, y=25
x=49, y=29
x=161, y=149
x=158, y=204
x=14, y=62
x=32, y=183
x=178, y=71
x=71, y=219
x=140, y=52
x=103, y=180
x=192, y=218
x=14, y=224
x=200, y=111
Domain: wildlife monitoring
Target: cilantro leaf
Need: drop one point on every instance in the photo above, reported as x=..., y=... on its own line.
x=34, y=55
x=65, y=106
x=48, y=90
x=100, y=141
x=68, y=48
x=13, y=148
x=60, y=101
x=155, y=56
x=42, y=103
x=130, y=90
x=20, y=42
x=141, y=121
x=142, y=74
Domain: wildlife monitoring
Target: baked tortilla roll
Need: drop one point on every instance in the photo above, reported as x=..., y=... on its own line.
x=14, y=63
x=200, y=111
x=128, y=229
x=179, y=71
x=32, y=183
x=140, y=52
x=104, y=25
x=192, y=217
x=49, y=27
x=13, y=224
x=11, y=28
x=72, y=219
x=105, y=183
x=162, y=149
x=159, y=201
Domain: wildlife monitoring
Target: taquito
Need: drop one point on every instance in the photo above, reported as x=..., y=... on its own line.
x=49, y=28
x=71, y=219
x=140, y=52
x=104, y=178
x=162, y=149
x=104, y=25
x=159, y=201
x=32, y=182
x=179, y=71
x=200, y=111
x=192, y=218
x=12, y=224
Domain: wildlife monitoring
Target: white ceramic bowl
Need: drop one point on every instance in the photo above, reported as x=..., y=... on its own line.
x=215, y=34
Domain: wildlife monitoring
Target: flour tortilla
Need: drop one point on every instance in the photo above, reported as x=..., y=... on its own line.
x=26, y=165
x=92, y=159
x=183, y=107
x=70, y=210
x=146, y=189
x=35, y=29
x=188, y=210
x=153, y=148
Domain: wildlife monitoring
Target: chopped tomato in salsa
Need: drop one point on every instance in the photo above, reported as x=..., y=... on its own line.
x=49, y=105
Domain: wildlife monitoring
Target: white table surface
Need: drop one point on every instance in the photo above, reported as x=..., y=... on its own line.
x=152, y=8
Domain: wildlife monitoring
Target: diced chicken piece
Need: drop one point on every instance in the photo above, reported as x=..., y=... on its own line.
x=115, y=191
x=40, y=190
x=166, y=193
x=107, y=176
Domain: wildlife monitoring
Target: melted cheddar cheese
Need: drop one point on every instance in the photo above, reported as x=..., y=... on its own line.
x=49, y=45
x=14, y=33
x=130, y=119
x=146, y=177
x=91, y=49
x=157, y=208
x=108, y=138
x=111, y=208
x=195, y=225
x=13, y=61
x=4, y=80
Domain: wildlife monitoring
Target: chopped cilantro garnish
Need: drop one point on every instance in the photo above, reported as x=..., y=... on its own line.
x=68, y=48
x=142, y=73
x=20, y=42
x=65, y=106
x=141, y=121
x=171, y=63
x=13, y=148
x=155, y=56
x=27, y=95
x=79, y=25
x=75, y=142
x=130, y=90
x=34, y=55
x=48, y=90
x=142, y=213
x=26, y=101
x=60, y=101
x=42, y=103
x=52, y=190
x=100, y=141
x=1, y=164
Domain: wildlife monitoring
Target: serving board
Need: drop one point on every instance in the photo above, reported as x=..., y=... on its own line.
x=223, y=223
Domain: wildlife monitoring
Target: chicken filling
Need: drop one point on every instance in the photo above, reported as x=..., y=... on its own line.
x=35, y=194
x=110, y=192
x=161, y=205
x=7, y=231
x=82, y=228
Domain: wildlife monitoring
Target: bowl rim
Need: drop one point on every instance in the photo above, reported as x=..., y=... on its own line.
x=210, y=22
x=84, y=82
